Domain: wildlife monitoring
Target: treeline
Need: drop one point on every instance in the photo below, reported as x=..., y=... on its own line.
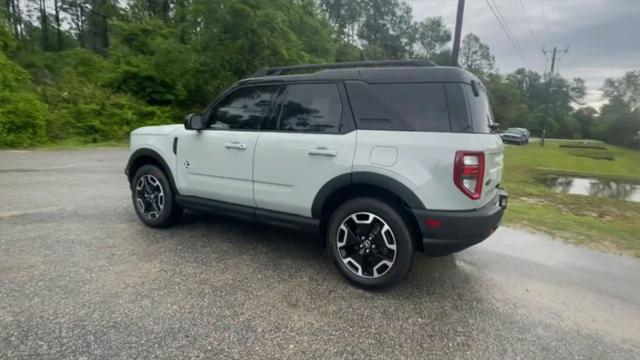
x=95, y=69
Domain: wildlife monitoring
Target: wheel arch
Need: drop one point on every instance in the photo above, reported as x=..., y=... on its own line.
x=360, y=184
x=146, y=156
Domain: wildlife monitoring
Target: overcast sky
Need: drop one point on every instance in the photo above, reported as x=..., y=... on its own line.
x=603, y=36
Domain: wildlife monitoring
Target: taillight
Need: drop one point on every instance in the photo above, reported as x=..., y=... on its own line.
x=468, y=172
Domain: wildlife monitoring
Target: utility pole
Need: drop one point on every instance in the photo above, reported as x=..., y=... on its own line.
x=456, y=38
x=554, y=56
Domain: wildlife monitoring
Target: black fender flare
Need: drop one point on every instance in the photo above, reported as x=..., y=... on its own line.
x=155, y=156
x=365, y=178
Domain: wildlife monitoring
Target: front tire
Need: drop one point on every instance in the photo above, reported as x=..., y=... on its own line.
x=153, y=198
x=370, y=243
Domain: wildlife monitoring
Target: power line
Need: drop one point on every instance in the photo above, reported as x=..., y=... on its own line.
x=544, y=16
x=524, y=13
x=506, y=24
x=508, y=33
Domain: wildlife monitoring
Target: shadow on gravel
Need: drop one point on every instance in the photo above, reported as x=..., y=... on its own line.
x=296, y=252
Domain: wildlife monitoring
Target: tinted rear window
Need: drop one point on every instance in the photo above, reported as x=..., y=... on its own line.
x=413, y=107
x=481, y=114
x=458, y=108
x=311, y=108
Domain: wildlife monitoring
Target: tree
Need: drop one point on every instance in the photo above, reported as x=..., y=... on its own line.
x=586, y=119
x=387, y=26
x=433, y=36
x=13, y=12
x=476, y=56
x=509, y=103
x=74, y=9
x=626, y=88
x=56, y=17
x=531, y=84
x=97, y=37
x=159, y=59
x=344, y=17
x=619, y=120
x=44, y=23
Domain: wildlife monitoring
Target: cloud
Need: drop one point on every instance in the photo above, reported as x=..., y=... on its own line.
x=603, y=36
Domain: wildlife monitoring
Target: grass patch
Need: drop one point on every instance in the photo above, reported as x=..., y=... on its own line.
x=597, y=154
x=589, y=149
x=602, y=223
x=78, y=144
x=586, y=145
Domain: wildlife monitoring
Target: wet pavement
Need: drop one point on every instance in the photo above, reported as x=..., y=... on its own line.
x=80, y=276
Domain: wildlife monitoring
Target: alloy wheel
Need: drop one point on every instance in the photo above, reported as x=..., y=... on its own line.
x=149, y=196
x=366, y=245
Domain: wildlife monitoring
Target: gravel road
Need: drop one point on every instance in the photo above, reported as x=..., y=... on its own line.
x=81, y=277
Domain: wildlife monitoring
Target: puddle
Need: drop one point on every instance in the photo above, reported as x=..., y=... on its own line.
x=594, y=187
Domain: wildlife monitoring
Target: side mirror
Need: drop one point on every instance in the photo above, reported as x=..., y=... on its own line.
x=194, y=122
x=494, y=127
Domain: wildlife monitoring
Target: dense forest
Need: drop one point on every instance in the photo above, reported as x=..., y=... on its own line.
x=96, y=69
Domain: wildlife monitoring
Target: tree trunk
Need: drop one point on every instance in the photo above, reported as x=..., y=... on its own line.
x=97, y=38
x=44, y=25
x=9, y=4
x=56, y=6
x=14, y=17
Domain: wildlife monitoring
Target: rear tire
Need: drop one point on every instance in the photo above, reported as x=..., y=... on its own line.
x=153, y=199
x=370, y=243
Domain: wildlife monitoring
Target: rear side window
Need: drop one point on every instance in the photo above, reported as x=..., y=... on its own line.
x=412, y=107
x=458, y=108
x=245, y=108
x=481, y=115
x=311, y=108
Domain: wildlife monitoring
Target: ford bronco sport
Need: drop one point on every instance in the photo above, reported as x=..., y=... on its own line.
x=380, y=158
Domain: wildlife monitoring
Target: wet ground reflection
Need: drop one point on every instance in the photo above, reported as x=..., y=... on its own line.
x=594, y=187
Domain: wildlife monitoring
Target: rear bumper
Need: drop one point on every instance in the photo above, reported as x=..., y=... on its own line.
x=461, y=227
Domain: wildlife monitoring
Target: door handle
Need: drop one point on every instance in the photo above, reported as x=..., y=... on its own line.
x=235, y=145
x=322, y=151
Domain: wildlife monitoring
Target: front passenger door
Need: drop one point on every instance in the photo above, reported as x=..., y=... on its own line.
x=217, y=163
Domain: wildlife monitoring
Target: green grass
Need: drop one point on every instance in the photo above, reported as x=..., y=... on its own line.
x=603, y=223
x=78, y=144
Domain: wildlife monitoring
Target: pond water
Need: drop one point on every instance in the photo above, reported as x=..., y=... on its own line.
x=594, y=187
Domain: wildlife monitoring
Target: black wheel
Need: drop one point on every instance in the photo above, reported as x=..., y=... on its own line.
x=370, y=243
x=153, y=198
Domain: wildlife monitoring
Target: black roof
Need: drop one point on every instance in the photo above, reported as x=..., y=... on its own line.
x=405, y=71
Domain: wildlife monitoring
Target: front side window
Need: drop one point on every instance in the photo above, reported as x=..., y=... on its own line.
x=244, y=109
x=311, y=108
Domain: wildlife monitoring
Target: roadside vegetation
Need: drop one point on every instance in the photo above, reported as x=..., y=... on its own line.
x=599, y=222
x=93, y=70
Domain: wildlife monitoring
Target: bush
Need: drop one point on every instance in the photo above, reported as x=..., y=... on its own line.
x=95, y=114
x=22, y=120
x=22, y=113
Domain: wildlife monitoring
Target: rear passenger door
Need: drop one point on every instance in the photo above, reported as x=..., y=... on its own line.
x=309, y=142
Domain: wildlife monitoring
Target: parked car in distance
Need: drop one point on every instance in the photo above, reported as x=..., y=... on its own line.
x=512, y=136
x=523, y=131
x=381, y=158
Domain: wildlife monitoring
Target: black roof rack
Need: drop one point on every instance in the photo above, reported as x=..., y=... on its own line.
x=280, y=70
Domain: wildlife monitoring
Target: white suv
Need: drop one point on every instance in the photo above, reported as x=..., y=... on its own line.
x=380, y=158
